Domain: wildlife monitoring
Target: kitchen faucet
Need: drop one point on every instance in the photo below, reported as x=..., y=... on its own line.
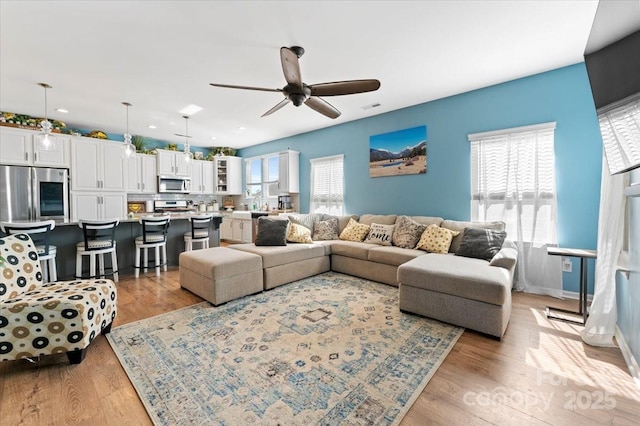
x=257, y=205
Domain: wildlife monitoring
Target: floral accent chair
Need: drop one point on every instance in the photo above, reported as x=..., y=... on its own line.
x=39, y=318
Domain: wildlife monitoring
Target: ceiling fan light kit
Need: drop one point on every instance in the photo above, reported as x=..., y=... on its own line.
x=298, y=93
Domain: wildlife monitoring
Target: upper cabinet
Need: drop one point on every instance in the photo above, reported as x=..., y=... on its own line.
x=141, y=174
x=202, y=177
x=97, y=165
x=228, y=175
x=289, y=171
x=25, y=148
x=172, y=163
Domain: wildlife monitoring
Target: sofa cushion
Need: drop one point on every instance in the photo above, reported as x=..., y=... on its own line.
x=21, y=268
x=380, y=234
x=326, y=229
x=299, y=234
x=354, y=231
x=481, y=243
x=351, y=249
x=407, y=232
x=459, y=276
x=459, y=226
x=395, y=256
x=436, y=240
x=272, y=232
x=369, y=219
x=427, y=220
x=217, y=263
x=282, y=255
x=506, y=258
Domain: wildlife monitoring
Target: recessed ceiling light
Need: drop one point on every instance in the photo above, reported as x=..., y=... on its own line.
x=242, y=128
x=171, y=123
x=213, y=138
x=151, y=126
x=190, y=109
x=62, y=110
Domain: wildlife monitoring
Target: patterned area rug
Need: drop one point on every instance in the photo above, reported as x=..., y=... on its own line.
x=330, y=349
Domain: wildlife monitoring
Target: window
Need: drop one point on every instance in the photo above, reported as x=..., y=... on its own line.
x=260, y=174
x=327, y=185
x=620, y=128
x=513, y=180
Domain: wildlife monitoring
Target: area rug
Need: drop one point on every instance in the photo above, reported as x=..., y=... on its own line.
x=330, y=349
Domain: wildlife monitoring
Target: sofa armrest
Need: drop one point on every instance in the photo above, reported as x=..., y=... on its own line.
x=506, y=258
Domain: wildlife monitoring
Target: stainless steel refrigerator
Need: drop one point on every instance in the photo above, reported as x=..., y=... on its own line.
x=33, y=193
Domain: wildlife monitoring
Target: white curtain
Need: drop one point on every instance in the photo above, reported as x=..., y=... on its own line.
x=327, y=185
x=513, y=180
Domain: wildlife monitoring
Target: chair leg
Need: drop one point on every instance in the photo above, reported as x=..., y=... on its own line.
x=107, y=329
x=53, y=269
x=164, y=257
x=76, y=357
x=101, y=264
x=137, y=263
x=44, y=265
x=114, y=265
x=92, y=266
x=78, y=265
x=187, y=244
x=145, y=259
x=157, y=259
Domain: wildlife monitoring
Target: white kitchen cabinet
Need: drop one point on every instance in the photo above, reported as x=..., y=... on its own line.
x=141, y=174
x=24, y=147
x=225, y=229
x=202, y=177
x=289, y=172
x=228, y=175
x=172, y=163
x=241, y=230
x=107, y=205
x=97, y=165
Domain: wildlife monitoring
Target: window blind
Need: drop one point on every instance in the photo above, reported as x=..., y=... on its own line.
x=620, y=128
x=327, y=185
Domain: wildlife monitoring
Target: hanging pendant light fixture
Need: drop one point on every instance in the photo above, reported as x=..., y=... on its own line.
x=187, y=147
x=129, y=149
x=45, y=125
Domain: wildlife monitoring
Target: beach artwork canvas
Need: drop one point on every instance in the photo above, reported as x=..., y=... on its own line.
x=403, y=152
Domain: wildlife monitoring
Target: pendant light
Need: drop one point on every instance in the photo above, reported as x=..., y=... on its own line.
x=45, y=125
x=188, y=155
x=129, y=149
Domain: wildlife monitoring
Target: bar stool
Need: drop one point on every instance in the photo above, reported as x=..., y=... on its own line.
x=154, y=235
x=99, y=239
x=200, y=226
x=39, y=233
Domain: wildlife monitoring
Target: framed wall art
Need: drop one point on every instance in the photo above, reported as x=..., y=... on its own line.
x=403, y=152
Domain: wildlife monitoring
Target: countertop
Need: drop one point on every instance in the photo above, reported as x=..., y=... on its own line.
x=135, y=218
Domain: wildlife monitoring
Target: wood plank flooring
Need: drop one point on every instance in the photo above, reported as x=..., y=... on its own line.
x=540, y=374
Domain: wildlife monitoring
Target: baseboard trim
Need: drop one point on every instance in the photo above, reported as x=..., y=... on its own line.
x=632, y=363
x=575, y=295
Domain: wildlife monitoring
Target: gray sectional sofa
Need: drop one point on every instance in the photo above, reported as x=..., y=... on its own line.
x=468, y=292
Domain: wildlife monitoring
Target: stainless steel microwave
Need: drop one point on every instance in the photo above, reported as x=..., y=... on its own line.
x=174, y=184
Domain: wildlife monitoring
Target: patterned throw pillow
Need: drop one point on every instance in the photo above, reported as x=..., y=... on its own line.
x=481, y=243
x=380, y=234
x=436, y=239
x=407, y=232
x=299, y=234
x=354, y=231
x=326, y=230
x=306, y=220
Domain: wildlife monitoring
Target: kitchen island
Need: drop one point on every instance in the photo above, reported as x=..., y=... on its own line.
x=67, y=234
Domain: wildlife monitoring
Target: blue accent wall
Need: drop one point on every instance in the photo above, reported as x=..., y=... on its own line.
x=562, y=95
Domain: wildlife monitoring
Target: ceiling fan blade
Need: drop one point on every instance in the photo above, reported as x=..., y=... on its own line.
x=290, y=66
x=322, y=106
x=277, y=107
x=231, y=86
x=349, y=87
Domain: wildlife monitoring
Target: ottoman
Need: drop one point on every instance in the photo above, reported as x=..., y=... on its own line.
x=220, y=274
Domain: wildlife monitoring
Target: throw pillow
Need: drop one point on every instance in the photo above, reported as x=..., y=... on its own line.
x=407, y=232
x=380, y=234
x=326, y=230
x=271, y=232
x=306, y=220
x=436, y=240
x=299, y=234
x=481, y=243
x=354, y=231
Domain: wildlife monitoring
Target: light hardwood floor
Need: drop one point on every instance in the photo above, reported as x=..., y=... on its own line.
x=541, y=373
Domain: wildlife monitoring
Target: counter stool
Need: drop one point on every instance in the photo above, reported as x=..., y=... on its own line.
x=154, y=235
x=200, y=226
x=39, y=233
x=99, y=239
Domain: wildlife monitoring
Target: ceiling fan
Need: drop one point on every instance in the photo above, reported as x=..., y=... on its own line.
x=300, y=93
